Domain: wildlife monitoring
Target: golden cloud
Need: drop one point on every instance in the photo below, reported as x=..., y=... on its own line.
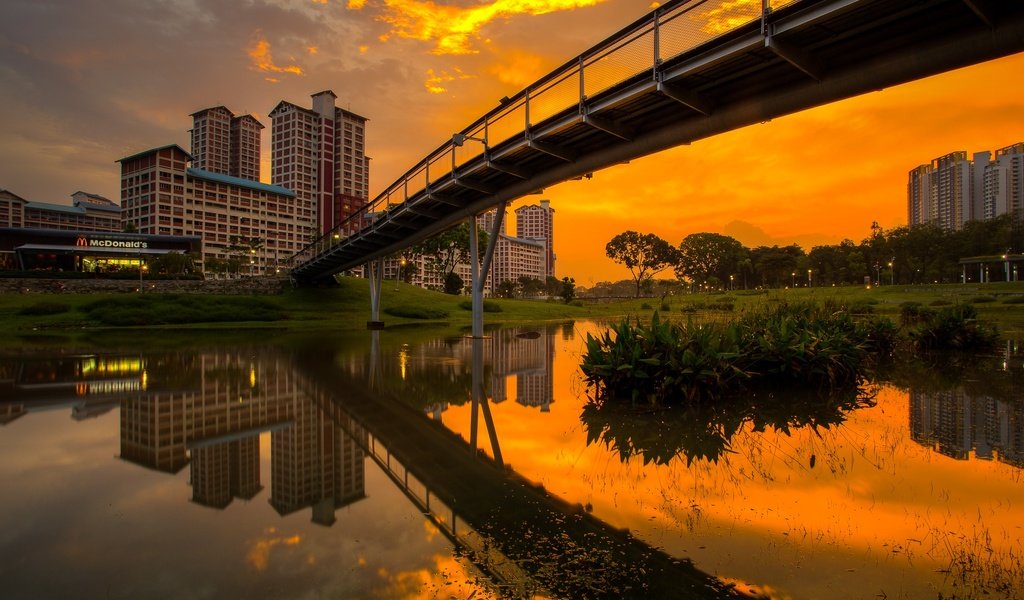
x=728, y=15
x=259, y=52
x=259, y=554
x=435, y=81
x=453, y=27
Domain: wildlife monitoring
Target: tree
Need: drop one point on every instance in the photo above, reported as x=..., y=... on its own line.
x=706, y=255
x=506, y=289
x=644, y=254
x=448, y=249
x=172, y=263
x=453, y=284
x=776, y=264
x=568, y=289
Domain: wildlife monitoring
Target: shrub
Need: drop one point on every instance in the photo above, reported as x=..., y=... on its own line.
x=940, y=302
x=666, y=363
x=176, y=309
x=489, y=306
x=914, y=312
x=416, y=312
x=982, y=299
x=44, y=308
x=862, y=307
x=665, y=306
x=954, y=328
x=576, y=303
x=1013, y=300
x=645, y=306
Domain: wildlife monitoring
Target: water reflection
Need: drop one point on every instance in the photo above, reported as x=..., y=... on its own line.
x=464, y=429
x=704, y=432
x=526, y=540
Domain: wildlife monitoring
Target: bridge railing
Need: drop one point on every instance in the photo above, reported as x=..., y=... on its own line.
x=665, y=33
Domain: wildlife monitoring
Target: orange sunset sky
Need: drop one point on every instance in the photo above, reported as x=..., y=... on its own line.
x=85, y=82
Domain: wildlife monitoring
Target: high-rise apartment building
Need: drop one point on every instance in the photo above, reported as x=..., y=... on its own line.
x=226, y=144
x=919, y=195
x=162, y=195
x=536, y=222
x=319, y=154
x=952, y=189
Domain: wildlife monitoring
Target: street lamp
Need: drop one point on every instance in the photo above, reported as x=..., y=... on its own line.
x=731, y=278
x=142, y=268
x=252, y=262
x=892, y=272
x=808, y=278
x=793, y=278
x=398, y=275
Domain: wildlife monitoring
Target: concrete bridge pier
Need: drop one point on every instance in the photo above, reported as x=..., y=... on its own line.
x=375, y=273
x=480, y=404
x=478, y=271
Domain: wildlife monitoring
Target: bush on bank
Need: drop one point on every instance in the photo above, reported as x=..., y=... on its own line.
x=672, y=363
x=175, y=309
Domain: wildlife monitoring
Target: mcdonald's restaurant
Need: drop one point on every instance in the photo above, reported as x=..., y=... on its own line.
x=86, y=251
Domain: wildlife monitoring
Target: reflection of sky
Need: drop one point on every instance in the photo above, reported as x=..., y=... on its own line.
x=78, y=522
x=877, y=512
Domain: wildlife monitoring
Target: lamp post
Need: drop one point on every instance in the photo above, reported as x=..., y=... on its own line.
x=398, y=275
x=731, y=279
x=252, y=262
x=793, y=278
x=892, y=272
x=808, y=278
x=142, y=269
x=1006, y=264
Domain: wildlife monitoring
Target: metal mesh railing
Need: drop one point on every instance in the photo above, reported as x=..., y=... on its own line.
x=663, y=34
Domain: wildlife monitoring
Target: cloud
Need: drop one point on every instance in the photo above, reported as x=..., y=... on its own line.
x=454, y=28
x=728, y=15
x=259, y=52
x=435, y=81
x=259, y=554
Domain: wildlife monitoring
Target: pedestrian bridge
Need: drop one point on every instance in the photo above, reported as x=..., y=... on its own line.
x=688, y=70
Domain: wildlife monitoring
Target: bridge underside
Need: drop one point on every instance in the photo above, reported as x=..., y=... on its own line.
x=803, y=55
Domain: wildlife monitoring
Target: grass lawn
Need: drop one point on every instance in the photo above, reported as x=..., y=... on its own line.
x=347, y=307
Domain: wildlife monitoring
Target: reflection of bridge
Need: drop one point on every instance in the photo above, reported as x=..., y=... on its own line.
x=525, y=539
x=689, y=70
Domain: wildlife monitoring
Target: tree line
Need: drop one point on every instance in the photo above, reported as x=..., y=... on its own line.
x=901, y=255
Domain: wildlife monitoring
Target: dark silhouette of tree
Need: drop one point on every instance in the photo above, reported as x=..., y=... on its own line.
x=706, y=255
x=449, y=249
x=644, y=254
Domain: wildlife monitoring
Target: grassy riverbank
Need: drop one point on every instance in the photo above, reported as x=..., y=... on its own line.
x=346, y=307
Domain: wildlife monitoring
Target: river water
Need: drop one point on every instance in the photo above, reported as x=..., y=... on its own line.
x=409, y=464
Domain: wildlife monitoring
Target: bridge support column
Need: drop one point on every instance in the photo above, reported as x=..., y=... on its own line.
x=480, y=404
x=478, y=271
x=375, y=271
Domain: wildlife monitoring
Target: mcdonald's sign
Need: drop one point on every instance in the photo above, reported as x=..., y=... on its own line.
x=81, y=241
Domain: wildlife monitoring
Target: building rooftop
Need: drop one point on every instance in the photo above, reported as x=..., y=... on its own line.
x=75, y=210
x=240, y=182
x=153, y=150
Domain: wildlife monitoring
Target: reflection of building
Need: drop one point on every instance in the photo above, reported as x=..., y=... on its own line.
x=206, y=411
x=315, y=464
x=954, y=424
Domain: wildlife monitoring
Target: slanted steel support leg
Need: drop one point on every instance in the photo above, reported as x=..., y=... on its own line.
x=375, y=269
x=480, y=401
x=478, y=271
